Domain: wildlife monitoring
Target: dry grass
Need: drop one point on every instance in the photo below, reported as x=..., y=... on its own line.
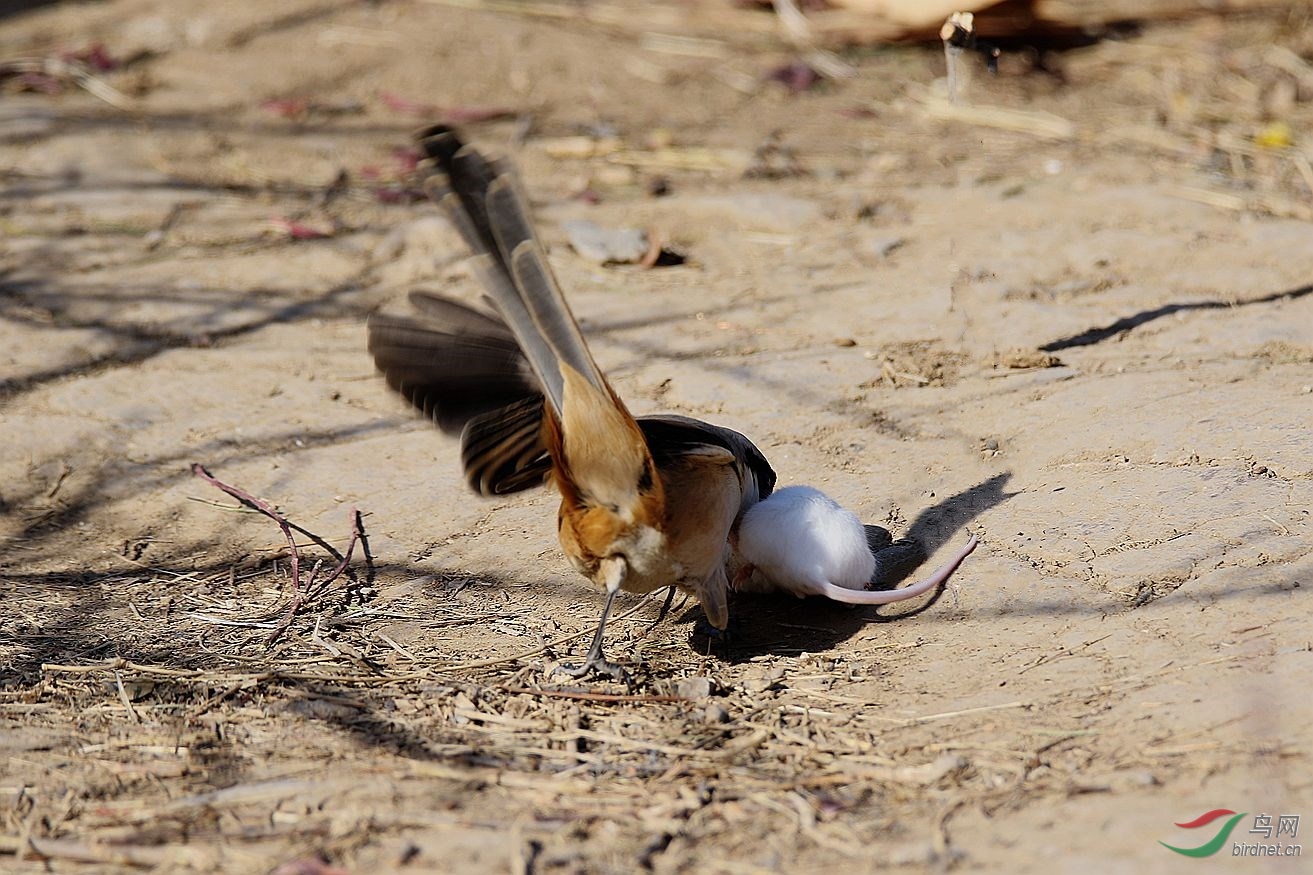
x=125, y=764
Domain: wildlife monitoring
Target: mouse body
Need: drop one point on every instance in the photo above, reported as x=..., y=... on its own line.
x=801, y=541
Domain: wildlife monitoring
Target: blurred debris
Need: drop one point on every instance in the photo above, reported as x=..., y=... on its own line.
x=1045, y=125
x=407, y=254
x=774, y=159
x=821, y=62
x=792, y=21
x=760, y=211
x=806, y=5
x=298, y=230
x=915, y=363
x=606, y=245
x=391, y=183
x=407, y=158
x=48, y=75
x=309, y=866
x=157, y=236
x=396, y=193
x=882, y=245
x=1272, y=205
x=686, y=46
x=94, y=57
x=346, y=35
x=1028, y=358
x=455, y=115
x=1288, y=62
x=693, y=688
x=1285, y=352
x=685, y=158
x=579, y=147
x=1276, y=135
x=302, y=107
x=286, y=107
x=796, y=76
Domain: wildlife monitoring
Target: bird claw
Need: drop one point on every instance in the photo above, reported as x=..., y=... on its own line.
x=596, y=663
x=717, y=639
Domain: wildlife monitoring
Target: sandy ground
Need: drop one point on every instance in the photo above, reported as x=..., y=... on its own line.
x=1095, y=351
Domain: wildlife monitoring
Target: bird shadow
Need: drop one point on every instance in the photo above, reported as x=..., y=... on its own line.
x=785, y=625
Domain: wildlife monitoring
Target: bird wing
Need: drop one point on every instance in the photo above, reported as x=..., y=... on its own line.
x=670, y=436
x=503, y=451
x=452, y=362
x=462, y=368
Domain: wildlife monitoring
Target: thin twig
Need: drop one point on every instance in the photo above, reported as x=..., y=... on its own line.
x=592, y=697
x=144, y=856
x=218, y=697
x=120, y=663
x=300, y=597
x=293, y=606
x=300, y=594
x=251, y=501
x=318, y=541
x=123, y=697
x=357, y=533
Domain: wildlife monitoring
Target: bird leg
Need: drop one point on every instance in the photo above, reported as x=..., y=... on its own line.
x=665, y=609
x=613, y=572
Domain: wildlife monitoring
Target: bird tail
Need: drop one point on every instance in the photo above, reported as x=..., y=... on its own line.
x=483, y=201
x=601, y=454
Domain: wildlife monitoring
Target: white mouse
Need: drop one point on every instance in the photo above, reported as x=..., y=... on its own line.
x=802, y=541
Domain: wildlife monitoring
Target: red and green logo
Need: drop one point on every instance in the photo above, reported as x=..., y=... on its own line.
x=1213, y=845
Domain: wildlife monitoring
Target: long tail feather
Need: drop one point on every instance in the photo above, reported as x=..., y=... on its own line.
x=482, y=200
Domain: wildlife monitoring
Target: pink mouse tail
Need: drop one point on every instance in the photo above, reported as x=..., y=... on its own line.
x=934, y=581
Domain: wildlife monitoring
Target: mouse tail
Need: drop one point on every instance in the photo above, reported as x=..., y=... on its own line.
x=934, y=581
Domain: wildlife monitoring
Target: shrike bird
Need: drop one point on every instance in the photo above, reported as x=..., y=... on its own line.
x=645, y=503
